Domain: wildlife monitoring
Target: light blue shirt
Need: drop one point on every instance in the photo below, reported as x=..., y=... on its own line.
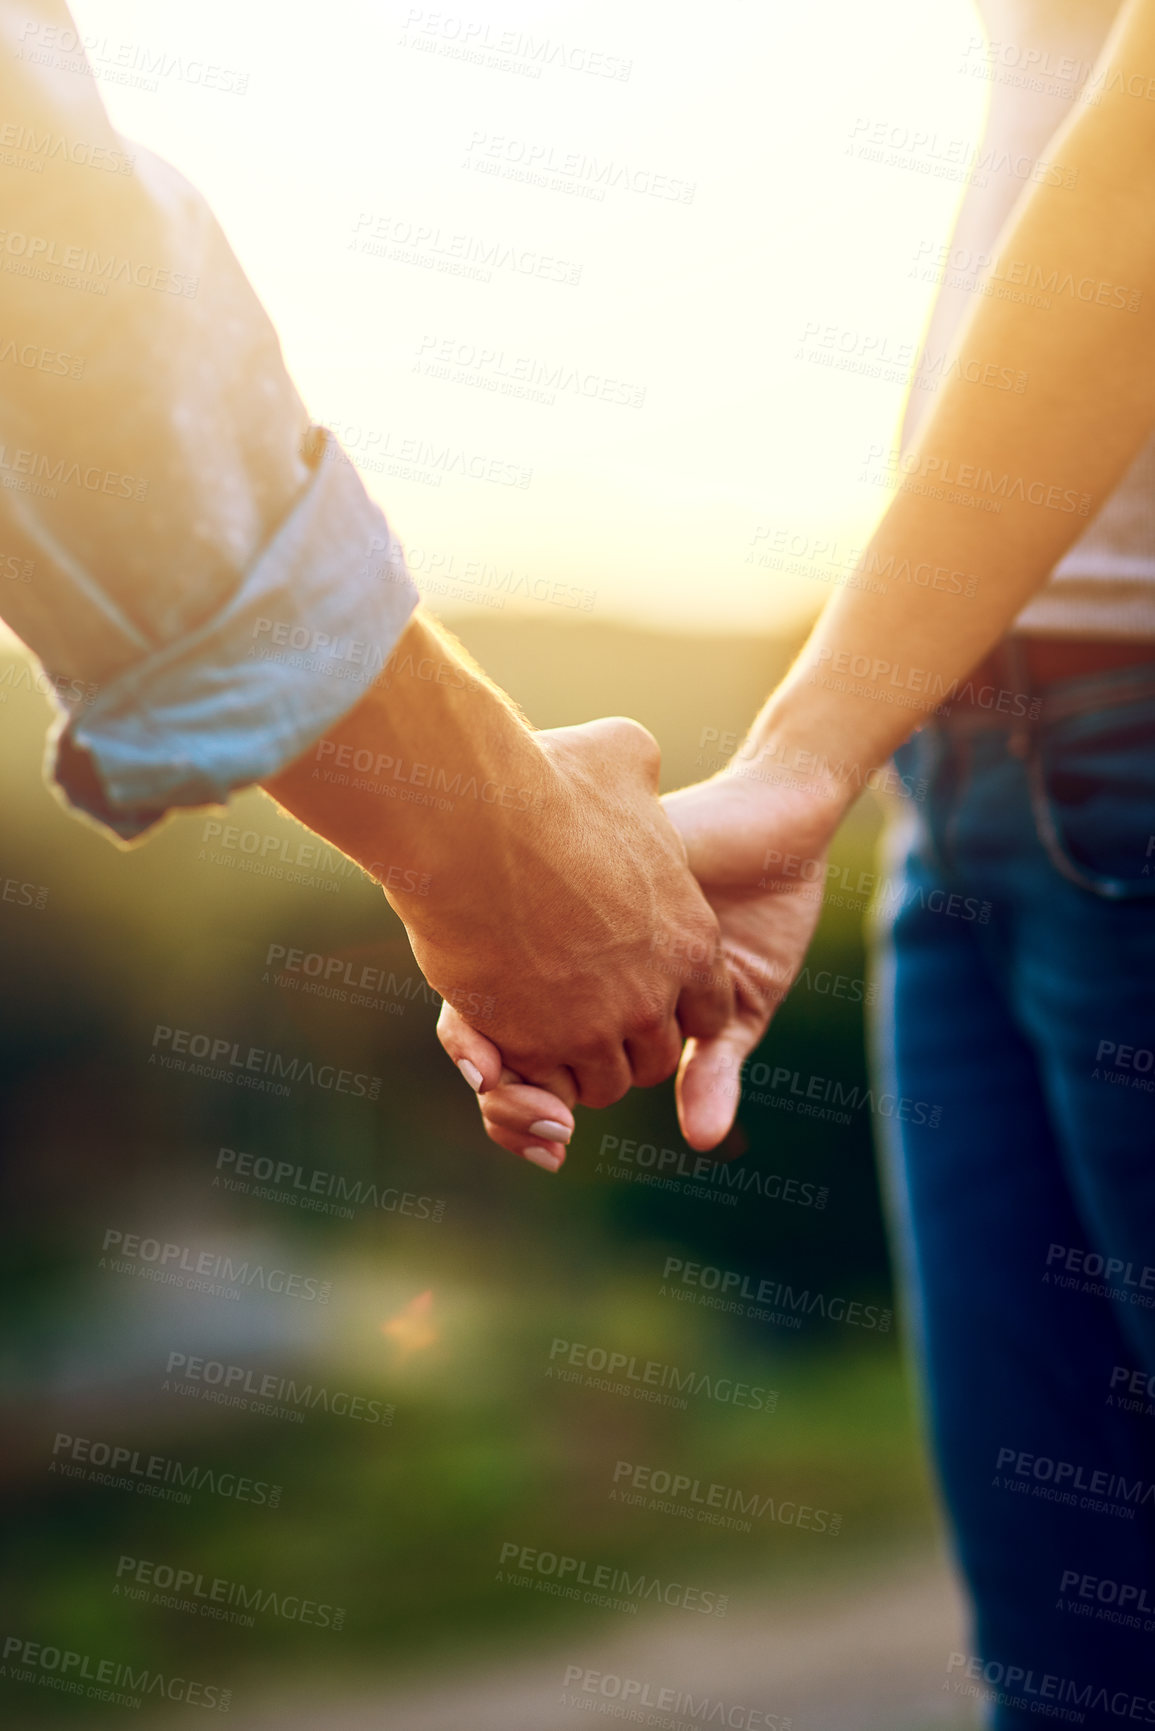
x=202, y=574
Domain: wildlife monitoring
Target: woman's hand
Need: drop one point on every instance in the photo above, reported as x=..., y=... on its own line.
x=757, y=845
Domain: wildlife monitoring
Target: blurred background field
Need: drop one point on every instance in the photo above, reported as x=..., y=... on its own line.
x=448, y=1312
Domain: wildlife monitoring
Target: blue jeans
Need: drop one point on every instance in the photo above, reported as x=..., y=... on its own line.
x=1016, y=939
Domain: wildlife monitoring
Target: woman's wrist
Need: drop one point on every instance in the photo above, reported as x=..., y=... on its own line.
x=783, y=755
x=818, y=739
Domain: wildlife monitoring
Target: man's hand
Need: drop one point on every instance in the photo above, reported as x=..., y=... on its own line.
x=553, y=905
x=758, y=849
x=574, y=935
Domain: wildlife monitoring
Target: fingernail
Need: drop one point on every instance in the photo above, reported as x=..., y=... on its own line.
x=551, y=1130
x=549, y=1159
x=471, y=1073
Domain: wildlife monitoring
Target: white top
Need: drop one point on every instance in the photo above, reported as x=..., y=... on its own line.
x=1039, y=61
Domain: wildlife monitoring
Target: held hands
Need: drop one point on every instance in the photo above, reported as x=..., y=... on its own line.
x=745, y=839
x=556, y=910
x=570, y=930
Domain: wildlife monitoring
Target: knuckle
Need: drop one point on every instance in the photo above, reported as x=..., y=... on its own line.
x=705, y=928
x=646, y=1021
x=638, y=740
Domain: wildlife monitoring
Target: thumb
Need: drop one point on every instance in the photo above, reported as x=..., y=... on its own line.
x=709, y=1086
x=477, y=1058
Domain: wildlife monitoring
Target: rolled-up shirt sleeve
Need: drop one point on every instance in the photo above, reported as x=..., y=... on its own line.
x=204, y=578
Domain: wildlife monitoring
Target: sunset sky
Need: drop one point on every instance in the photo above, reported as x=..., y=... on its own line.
x=698, y=318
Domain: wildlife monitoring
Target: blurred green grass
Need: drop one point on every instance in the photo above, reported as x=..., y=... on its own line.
x=404, y=1526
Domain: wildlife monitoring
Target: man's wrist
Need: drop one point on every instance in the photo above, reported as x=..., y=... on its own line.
x=410, y=780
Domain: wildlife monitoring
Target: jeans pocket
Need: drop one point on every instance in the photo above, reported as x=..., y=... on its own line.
x=1093, y=793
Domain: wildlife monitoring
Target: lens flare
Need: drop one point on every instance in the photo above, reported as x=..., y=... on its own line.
x=412, y=1328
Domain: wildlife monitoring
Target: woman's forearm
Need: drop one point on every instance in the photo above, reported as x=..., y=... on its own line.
x=998, y=486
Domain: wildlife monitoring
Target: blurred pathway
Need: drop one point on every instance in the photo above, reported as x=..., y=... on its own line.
x=867, y=1656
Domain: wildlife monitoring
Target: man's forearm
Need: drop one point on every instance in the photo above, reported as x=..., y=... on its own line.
x=396, y=782
x=1050, y=456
